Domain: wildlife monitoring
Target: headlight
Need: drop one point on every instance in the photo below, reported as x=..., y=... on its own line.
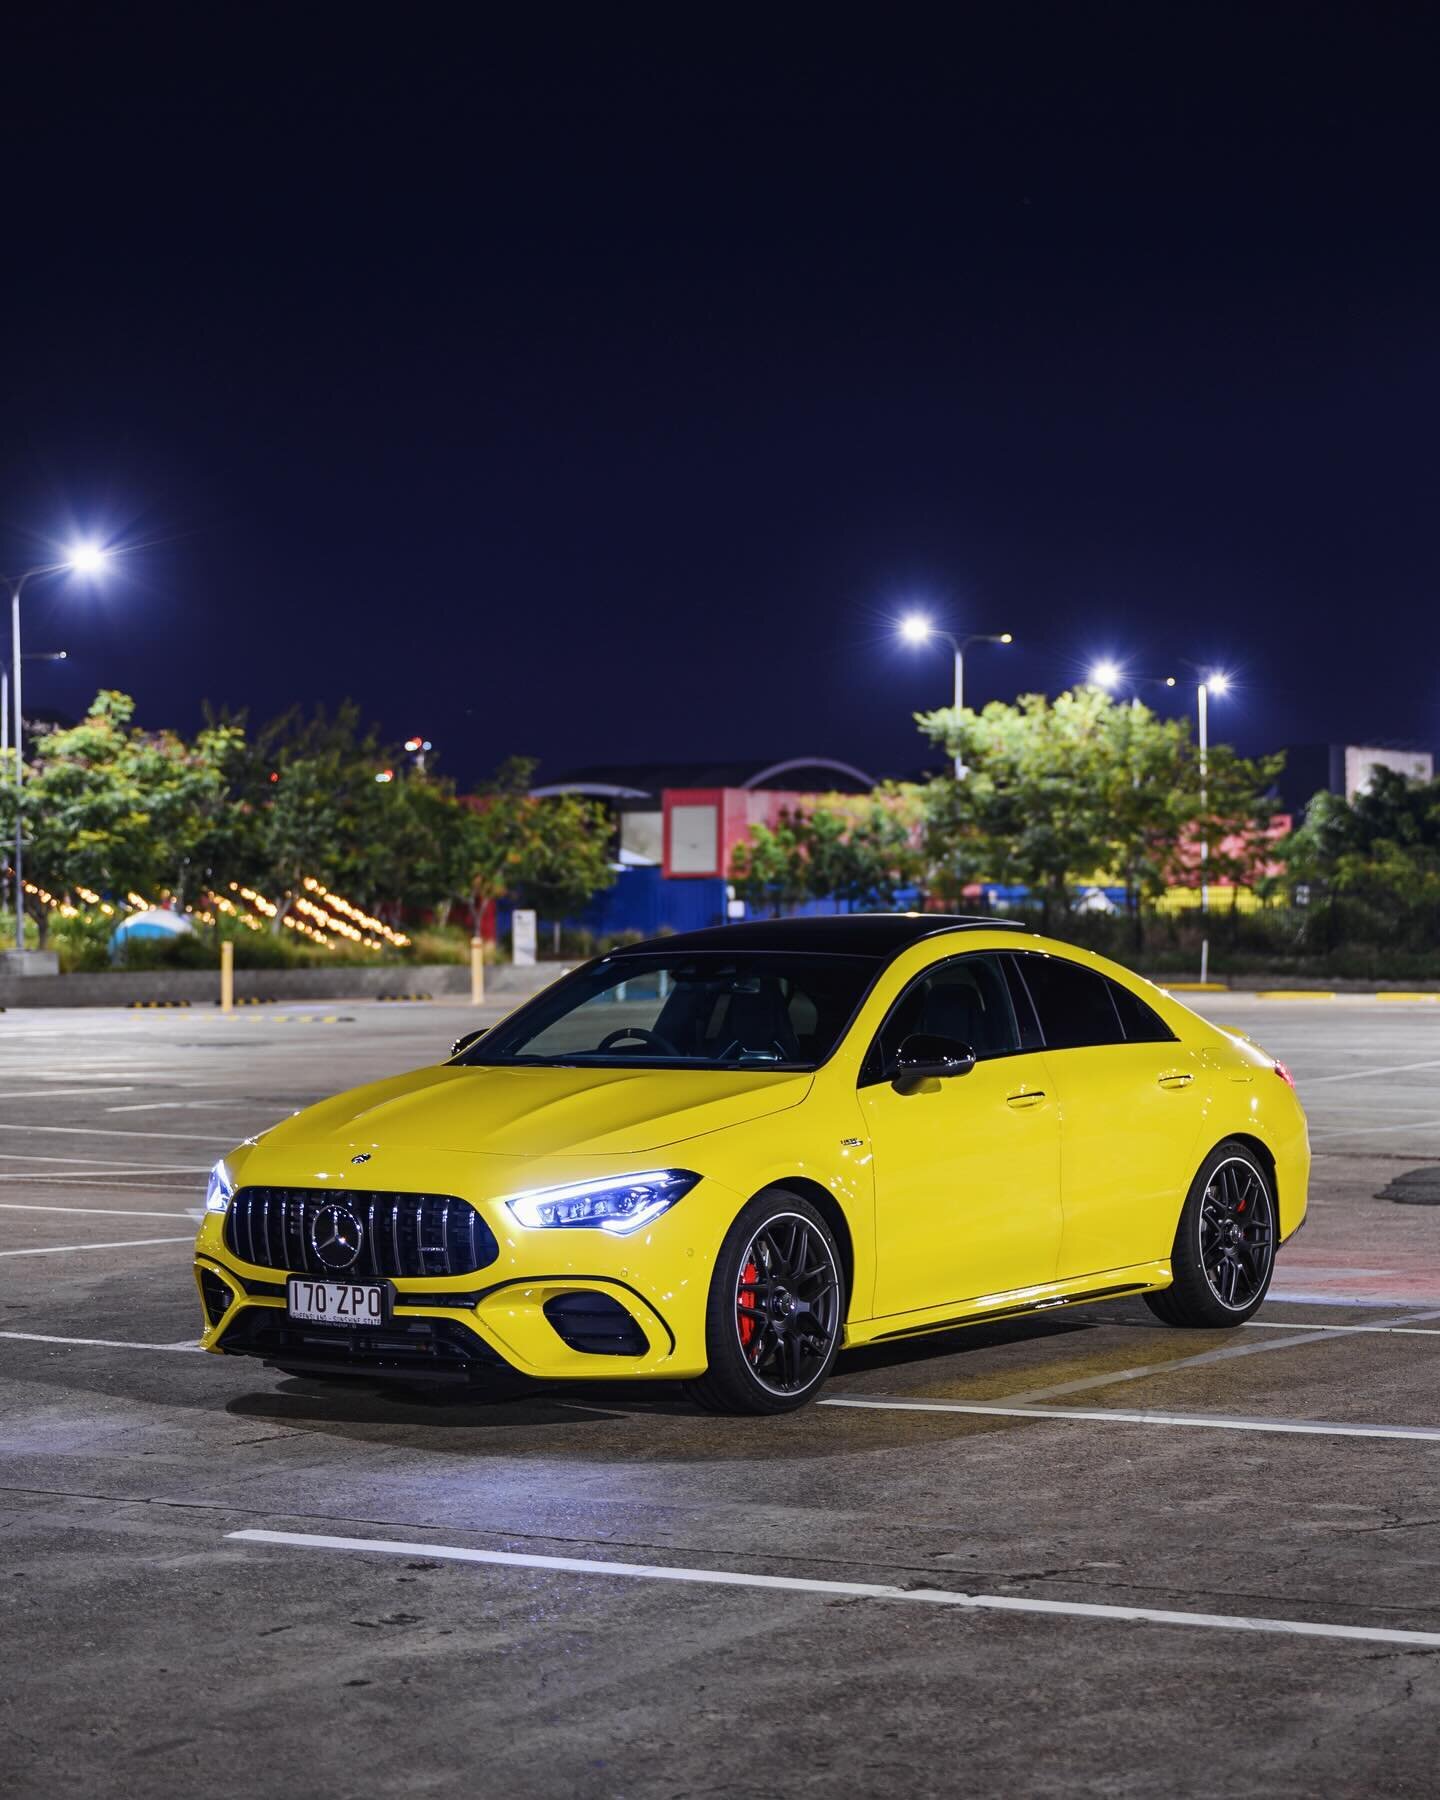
x=620, y=1204
x=218, y=1189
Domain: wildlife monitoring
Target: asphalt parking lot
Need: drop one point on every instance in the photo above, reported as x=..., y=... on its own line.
x=1083, y=1554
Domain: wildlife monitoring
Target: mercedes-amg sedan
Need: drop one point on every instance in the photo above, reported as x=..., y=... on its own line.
x=723, y=1157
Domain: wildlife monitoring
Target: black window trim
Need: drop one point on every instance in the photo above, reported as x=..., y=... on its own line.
x=872, y=1072
x=1018, y=958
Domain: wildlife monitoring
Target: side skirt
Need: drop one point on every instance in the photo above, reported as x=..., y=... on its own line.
x=1130, y=1281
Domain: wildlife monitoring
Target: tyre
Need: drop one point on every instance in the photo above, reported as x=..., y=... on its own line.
x=1224, y=1252
x=776, y=1310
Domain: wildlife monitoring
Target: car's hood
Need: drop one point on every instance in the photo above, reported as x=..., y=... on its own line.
x=540, y=1112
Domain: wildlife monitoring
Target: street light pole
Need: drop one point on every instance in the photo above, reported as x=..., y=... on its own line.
x=84, y=558
x=1202, y=699
x=916, y=629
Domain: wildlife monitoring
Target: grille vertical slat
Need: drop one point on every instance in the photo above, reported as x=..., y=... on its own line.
x=406, y=1235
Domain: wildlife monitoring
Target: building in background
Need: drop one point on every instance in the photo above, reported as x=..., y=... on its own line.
x=677, y=826
x=1346, y=769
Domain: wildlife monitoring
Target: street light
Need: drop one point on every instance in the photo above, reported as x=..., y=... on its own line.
x=915, y=628
x=1215, y=683
x=84, y=558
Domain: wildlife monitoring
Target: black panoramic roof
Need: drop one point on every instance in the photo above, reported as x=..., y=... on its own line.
x=881, y=935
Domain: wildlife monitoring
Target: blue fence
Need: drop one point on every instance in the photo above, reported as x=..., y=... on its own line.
x=643, y=901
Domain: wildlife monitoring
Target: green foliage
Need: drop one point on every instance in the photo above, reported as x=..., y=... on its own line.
x=118, y=810
x=115, y=809
x=551, y=854
x=1371, y=867
x=856, y=851
x=1081, y=789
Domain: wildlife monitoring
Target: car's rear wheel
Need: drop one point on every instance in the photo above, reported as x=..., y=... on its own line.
x=776, y=1310
x=1224, y=1252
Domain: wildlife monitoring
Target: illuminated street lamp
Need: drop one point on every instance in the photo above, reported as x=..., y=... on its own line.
x=83, y=559
x=915, y=628
x=1109, y=675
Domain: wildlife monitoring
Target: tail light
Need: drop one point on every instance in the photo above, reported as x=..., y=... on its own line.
x=1284, y=1074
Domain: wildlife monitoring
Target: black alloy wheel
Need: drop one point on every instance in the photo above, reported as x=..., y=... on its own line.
x=1224, y=1252
x=776, y=1311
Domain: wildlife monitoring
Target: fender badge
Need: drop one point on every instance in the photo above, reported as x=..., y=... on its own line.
x=363, y=1157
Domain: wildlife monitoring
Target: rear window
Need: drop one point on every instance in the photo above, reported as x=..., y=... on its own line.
x=1074, y=1003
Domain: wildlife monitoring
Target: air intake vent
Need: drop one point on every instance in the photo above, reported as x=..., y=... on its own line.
x=595, y=1324
x=216, y=1295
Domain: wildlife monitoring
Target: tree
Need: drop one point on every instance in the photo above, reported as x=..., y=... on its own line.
x=117, y=810
x=309, y=781
x=550, y=852
x=1378, y=855
x=1082, y=789
x=853, y=850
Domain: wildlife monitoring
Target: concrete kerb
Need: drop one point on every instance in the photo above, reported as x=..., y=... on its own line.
x=201, y=987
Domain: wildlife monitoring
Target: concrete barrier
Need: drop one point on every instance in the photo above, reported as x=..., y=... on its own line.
x=201, y=987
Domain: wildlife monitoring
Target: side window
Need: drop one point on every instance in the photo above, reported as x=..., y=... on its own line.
x=1142, y=1024
x=966, y=999
x=1030, y=1038
x=1074, y=1003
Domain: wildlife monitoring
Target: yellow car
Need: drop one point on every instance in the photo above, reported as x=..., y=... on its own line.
x=722, y=1157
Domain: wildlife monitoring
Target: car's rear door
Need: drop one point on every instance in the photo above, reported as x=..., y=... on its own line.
x=1130, y=1109
x=967, y=1170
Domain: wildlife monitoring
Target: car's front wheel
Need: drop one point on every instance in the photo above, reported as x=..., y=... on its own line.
x=776, y=1311
x=1224, y=1252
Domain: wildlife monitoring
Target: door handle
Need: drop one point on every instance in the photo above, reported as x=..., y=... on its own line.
x=1179, y=1080
x=1026, y=1098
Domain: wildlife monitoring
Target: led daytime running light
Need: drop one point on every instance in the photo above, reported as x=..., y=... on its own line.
x=618, y=1204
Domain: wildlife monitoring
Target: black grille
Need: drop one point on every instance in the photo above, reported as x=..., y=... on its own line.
x=424, y=1349
x=404, y=1235
x=216, y=1294
x=595, y=1323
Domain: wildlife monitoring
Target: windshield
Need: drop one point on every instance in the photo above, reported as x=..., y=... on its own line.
x=771, y=1009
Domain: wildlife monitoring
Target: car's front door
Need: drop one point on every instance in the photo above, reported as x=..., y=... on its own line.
x=967, y=1169
x=1131, y=1105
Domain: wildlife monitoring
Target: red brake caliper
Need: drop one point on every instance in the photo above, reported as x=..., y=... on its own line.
x=749, y=1276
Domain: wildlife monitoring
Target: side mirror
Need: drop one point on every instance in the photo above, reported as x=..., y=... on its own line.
x=924, y=1057
x=464, y=1041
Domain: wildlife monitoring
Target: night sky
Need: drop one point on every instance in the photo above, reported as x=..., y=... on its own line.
x=603, y=386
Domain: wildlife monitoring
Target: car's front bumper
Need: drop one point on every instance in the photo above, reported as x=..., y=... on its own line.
x=552, y=1305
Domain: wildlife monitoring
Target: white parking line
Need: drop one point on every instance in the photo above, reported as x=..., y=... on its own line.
x=860, y=1590
x=1228, y=1353
x=172, y=1105
x=67, y=1093
x=1374, y=1130
x=1394, y=1330
x=117, y=1212
x=192, y=1137
x=40, y=1337
x=1369, y=1074
x=127, y=1244
x=1208, y=1421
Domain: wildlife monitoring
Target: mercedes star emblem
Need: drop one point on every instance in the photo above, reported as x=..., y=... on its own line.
x=335, y=1237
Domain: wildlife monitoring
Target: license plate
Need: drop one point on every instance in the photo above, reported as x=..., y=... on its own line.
x=338, y=1302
